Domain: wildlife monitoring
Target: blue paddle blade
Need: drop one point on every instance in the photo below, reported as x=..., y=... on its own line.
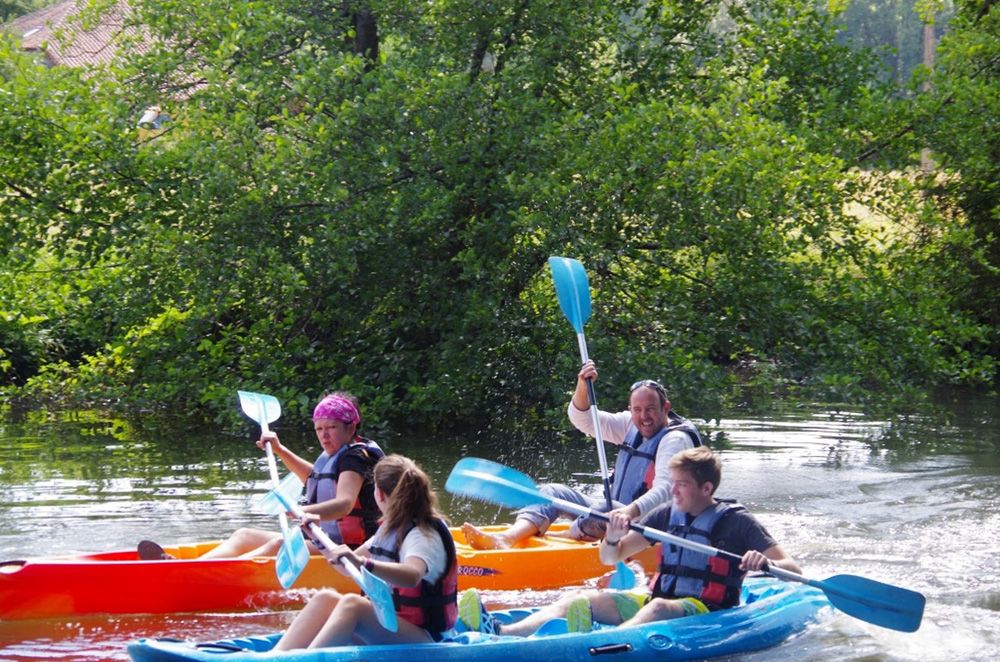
x=573, y=290
x=623, y=578
x=551, y=627
x=290, y=487
x=256, y=404
x=293, y=557
x=380, y=594
x=889, y=606
x=489, y=481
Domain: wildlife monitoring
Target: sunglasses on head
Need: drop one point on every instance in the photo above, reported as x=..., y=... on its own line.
x=649, y=383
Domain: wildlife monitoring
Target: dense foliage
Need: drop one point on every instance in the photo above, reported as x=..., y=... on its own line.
x=363, y=195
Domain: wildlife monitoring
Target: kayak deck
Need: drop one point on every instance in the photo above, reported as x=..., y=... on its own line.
x=107, y=582
x=772, y=612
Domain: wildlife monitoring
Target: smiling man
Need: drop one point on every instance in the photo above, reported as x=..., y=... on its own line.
x=647, y=434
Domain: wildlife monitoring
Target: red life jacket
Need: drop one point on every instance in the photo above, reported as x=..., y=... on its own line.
x=433, y=607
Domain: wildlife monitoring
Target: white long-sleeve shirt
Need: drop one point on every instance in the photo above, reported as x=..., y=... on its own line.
x=614, y=428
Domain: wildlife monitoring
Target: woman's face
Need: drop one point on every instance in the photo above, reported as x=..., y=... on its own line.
x=333, y=434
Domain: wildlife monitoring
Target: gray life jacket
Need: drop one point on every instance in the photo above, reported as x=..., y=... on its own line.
x=635, y=466
x=358, y=525
x=715, y=580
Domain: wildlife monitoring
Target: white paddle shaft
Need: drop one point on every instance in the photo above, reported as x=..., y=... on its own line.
x=582, y=342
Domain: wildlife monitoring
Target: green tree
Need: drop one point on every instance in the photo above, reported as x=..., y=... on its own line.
x=363, y=195
x=960, y=121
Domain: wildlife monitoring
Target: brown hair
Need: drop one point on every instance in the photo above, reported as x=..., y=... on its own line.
x=703, y=465
x=409, y=496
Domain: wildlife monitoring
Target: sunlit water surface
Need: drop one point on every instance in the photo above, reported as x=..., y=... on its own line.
x=912, y=504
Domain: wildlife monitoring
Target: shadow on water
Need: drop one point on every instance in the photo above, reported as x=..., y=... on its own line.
x=910, y=502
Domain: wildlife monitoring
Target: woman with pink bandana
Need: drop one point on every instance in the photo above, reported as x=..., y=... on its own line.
x=339, y=484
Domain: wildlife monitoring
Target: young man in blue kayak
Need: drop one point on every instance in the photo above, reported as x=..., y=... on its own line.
x=648, y=434
x=688, y=583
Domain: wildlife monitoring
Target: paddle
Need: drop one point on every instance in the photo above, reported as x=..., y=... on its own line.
x=290, y=486
x=293, y=555
x=573, y=292
x=375, y=588
x=881, y=604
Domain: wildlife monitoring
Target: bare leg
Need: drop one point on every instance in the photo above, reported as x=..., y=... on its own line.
x=657, y=609
x=269, y=548
x=241, y=542
x=521, y=529
x=241, y=545
x=602, y=605
x=310, y=621
x=354, y=616
x=566, y=533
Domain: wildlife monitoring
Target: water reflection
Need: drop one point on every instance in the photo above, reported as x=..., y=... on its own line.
x=912, y=503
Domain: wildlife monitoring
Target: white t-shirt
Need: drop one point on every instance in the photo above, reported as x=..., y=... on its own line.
x=614, y=427
x=424, y=543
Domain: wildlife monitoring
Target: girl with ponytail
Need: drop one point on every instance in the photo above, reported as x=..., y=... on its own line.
x=412, y=550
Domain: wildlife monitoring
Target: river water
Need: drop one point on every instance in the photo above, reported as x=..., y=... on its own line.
x=914, y=504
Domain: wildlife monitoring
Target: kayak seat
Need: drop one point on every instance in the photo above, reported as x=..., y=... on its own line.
x=151, y=551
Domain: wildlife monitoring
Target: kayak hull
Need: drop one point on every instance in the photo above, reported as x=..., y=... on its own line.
x=114, y=582
x=773, y=612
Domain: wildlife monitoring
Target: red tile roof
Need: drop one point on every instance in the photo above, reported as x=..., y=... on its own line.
x=55, y=31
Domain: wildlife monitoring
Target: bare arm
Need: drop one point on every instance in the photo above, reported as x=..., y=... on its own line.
x=619, y=541
x=407, y=572
x=295, y=464
x=348, y=488
x=581, y=396
x=774, y=555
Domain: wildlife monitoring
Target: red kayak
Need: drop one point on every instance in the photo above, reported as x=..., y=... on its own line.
x=119, y=582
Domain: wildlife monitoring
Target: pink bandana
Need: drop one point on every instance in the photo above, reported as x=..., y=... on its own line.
x=338, y=408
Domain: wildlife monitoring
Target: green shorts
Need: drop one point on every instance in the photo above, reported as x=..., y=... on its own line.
x=629, y=603
x=693, y=606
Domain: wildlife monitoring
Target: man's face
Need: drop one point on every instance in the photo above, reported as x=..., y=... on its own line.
x=648, y=413
x=687, y=495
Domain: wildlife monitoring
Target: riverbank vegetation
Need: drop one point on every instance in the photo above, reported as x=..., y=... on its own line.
x=362, y=196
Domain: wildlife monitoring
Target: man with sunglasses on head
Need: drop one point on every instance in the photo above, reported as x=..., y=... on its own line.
x=648, y=434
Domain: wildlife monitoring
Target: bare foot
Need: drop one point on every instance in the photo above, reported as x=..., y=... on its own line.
x=478, y=539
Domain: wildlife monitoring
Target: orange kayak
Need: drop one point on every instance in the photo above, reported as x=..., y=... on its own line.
x=118, y=582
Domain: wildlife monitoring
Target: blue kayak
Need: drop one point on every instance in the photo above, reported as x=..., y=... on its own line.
x=771, y=612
